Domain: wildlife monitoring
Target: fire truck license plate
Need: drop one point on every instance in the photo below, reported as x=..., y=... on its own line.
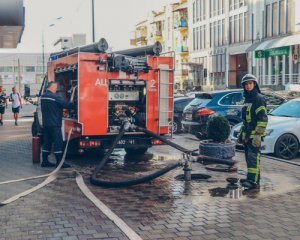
x=126, y=142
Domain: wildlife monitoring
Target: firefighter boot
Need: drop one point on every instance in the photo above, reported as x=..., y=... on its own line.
x=250, y=185
x=58, y=157
x=45, y=162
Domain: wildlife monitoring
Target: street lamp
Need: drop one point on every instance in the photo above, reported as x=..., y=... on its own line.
x=43, y=42
x=93, y=20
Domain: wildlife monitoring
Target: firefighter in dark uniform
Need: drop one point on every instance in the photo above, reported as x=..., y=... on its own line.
x=52, y=106
x=255, y=119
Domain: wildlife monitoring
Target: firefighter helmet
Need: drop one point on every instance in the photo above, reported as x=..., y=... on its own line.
x=249, y=77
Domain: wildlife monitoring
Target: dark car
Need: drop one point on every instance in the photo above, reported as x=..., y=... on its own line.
x=227, y=103
x=179, y=104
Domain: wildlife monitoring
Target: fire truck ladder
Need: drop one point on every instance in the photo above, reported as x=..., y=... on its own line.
x=164, y=108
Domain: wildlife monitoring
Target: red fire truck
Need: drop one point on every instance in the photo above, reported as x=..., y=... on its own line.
x=104, y=86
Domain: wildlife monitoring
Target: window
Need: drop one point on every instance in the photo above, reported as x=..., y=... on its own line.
x=197, y=38
x=29, y=69
x=231, y=30
x=232, y=99
x=197, y=10
x=6, y=69
x=211, y=35
x=246, y=23
x=194, y=39
x=236, y=22
x=268, y=20
x=194, y=12
x=275, y=19
x=241, y=28
x=281, y=17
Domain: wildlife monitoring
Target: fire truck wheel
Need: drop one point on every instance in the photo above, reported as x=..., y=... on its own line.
x=136, y=151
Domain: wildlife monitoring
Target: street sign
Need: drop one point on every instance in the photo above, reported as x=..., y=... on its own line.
x=260, y=54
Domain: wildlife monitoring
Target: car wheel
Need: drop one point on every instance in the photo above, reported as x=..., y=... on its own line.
x=136, y=151
x=176, y=126
x=286, y=147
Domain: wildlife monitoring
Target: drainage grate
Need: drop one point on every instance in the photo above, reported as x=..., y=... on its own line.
x=194, y=177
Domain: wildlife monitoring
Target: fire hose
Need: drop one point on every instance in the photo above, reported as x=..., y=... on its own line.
x=125, y=183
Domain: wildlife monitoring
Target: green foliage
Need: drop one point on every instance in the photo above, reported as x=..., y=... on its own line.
x=218, y=129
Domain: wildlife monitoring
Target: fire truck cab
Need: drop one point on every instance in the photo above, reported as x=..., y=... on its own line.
x=105, y=87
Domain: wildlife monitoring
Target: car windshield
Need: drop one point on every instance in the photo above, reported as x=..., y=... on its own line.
x=289, y=109
x=200, y=101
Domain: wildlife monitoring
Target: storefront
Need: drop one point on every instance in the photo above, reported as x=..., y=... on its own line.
x=276, y=61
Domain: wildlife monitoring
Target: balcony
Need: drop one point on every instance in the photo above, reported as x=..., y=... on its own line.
x=141, y=39
x=133, y=42
x=182, y=50
x=182, y=72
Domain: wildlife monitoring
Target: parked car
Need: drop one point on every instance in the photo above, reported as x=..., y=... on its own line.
x=283, y=131
x=192, y=94
x=227, y=103
x=179, y=105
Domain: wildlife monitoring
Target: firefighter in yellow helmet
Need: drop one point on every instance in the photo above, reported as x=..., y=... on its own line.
x=255, y=119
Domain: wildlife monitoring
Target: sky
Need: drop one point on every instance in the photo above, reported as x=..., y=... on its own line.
x=114, y=20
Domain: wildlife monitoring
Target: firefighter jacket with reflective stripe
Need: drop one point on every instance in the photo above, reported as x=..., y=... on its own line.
x=52, y=105
x=254, y=115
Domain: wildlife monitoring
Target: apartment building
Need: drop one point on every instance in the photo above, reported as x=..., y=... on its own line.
x=170, y=27
x=229, y=38
x=274, y=54
x=20, y=69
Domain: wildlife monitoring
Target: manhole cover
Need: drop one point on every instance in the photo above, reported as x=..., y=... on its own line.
x=221, y=168
x=194, y=177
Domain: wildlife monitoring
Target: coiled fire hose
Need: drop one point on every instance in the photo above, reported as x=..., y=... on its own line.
x=125, y=183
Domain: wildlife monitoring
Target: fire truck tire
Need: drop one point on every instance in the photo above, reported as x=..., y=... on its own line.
x=136, y=151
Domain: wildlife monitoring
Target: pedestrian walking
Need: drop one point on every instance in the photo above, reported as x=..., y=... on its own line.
x=3, y=104
x=255, y=119
x=52, y=106
x=15, y=98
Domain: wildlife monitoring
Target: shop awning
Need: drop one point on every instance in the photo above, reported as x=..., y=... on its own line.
x=286, y=41
x=275, y=43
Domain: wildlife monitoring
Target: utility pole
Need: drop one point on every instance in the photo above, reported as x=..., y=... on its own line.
x=93, y=20
x=19, y=76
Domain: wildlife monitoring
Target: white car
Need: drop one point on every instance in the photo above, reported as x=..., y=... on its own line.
x=283, y=131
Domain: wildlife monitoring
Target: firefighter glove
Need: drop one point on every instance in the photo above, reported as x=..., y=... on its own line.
x=240, y=138
x=256, y=141
x=260, y=130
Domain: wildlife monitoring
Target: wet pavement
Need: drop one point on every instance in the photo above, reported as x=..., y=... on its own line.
x=166, y=208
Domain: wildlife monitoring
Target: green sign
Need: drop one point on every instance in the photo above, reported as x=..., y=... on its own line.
x=260, y=54
x=273, y=52
x=278, y=51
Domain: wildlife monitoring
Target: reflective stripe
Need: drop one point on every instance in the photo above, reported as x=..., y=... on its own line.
x=46, y=98
x=45, y=151
x=57, y=152
x=252, y=170
x=261, y=108
x=262, y=124
x=257, y=166
x=248, y=114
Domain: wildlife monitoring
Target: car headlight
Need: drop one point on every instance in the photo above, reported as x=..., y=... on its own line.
x=269, y=131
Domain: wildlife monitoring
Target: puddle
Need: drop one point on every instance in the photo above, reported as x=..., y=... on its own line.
x=196, y=177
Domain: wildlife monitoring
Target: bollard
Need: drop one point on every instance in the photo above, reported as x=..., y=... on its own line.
x=36, y=150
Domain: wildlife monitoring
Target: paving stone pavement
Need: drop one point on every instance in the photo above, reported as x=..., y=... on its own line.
x=163, y=209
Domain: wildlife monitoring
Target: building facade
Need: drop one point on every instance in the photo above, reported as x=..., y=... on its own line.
x=20, y=69
x=229, y=38
x=170, y=28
